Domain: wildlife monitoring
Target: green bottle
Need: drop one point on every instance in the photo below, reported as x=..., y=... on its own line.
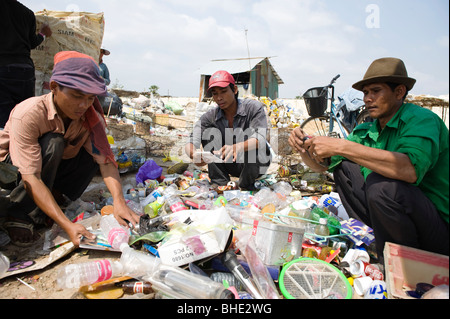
x=153, y=208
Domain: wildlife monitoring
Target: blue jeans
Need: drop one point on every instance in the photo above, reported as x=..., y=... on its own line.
x=17, y=83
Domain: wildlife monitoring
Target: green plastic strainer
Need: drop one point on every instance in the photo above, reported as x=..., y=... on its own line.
x=310, y=278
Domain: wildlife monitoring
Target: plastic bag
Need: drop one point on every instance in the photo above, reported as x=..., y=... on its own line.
x=174, y=107
x=111, y=104
x=149, y=170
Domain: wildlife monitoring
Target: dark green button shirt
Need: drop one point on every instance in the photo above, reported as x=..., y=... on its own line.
x=423, y=136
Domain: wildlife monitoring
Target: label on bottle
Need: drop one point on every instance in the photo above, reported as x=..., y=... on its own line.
x=114, y=233
x=177, y=207
x=104, y=269
x=138, y=287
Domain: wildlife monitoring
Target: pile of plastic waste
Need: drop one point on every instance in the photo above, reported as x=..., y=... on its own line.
x=281, y=114
x=195, y=241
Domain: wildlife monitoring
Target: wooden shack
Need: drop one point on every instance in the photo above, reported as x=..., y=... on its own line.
x=254, y=76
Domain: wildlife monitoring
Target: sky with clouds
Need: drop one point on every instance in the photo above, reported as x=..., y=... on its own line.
x=165, y=42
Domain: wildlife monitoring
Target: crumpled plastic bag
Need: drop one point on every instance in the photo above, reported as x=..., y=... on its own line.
x=438, y=292
x=149, y=170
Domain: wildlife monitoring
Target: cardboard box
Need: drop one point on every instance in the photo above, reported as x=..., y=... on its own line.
x=405, y=267
x=205, y=236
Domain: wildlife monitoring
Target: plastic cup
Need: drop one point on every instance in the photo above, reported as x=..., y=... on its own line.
x=377, y=290
x=362, y=285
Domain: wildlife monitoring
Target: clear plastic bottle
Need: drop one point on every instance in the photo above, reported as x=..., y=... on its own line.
x=173, y=200
x=263, y=197
x=79, y=275
x=137, y=264
x=114, y=232
x=282, y=188
x=322, y=231
x=152, y=196
x=180, y=283
x=301, y=210
x=135, y=207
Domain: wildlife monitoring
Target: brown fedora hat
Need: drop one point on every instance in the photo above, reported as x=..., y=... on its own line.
x=386, y=70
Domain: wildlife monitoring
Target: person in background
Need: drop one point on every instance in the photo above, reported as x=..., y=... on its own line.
x=104, y=72
x=391, y=174
x=234, y=132
x=19, y=37
x=58, y=143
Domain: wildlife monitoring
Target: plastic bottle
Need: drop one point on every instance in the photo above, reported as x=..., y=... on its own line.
x=282, y=188
x=207, y=194
x=333, y=223
x=322, y=231
x=173, y=200
x=322, y=228
x=135, y=207
x=80, y=204
x=135, y=287
x=138, y=264
x=301, y=210
x=181, y=283
x=263, y=197
x=78, y=275
x=153, y=208
x=116, y=235
x=4, y=264
x=152, y=196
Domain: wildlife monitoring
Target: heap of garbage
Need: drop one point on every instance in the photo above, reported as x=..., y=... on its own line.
x=195, y=241
x=292, y=238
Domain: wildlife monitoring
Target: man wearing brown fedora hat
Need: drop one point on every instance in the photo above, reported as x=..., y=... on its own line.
x=393, y=173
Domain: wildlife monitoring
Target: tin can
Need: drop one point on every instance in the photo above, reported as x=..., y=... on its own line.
x=362, y=268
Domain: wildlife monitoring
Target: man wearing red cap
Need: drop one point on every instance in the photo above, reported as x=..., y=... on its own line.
x=235, y=132
x=58, y=142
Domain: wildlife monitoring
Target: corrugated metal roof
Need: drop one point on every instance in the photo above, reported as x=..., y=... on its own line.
x=234, y=66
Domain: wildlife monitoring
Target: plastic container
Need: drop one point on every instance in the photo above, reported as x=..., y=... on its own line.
x=153, y=208
x=278, y=243
x=333, y=223
x=322, y=231
x=173, y=200
x=301, y=209
x=282, y=188
x=180, y=283
x=135, y=207
x=264, y=197
x=137, y=263
x=316, y=101
x=114, y=232
x=79, y=275
x=152, y=196
x=4, y=264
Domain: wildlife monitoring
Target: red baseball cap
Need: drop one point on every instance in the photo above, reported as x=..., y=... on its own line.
x=222, y=79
